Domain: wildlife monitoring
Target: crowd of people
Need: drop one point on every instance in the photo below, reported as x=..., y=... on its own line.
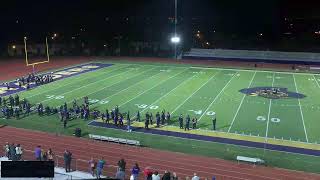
x=96, y=167
x=13, y=152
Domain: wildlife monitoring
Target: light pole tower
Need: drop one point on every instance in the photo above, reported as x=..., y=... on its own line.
x=175, y=39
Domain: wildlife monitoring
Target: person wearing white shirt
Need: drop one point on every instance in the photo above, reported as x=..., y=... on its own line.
x=155, y=176
x=195, y=177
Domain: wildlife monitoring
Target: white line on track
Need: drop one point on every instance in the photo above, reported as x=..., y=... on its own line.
x=152, y=87
x=241, y=103
x=91, y=84
x=269, y=111
x=194, y=93
x=304, y=127
x=63, y=85
x=222, y=90
x=186, y=80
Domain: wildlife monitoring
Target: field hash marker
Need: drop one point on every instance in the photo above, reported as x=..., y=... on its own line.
x=194, y=93
x=241, y=103
x=269, y=111
x=304, y=127
x=218, y=95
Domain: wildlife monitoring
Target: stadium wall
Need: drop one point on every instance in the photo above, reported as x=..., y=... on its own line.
x=301, y=58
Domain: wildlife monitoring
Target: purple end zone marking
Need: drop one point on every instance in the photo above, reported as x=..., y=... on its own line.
x=57, y=75
x=214, y=139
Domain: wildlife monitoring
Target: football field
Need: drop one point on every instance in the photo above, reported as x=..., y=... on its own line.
x=198, y=92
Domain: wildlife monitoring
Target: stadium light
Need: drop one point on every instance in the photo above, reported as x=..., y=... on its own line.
x=13, y=46
x=175, y=39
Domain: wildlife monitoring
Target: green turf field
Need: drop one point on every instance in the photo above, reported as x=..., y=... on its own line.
x=197, y=92
x=182, y=89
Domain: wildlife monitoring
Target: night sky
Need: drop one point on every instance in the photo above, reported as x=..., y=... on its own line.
x=68, y=17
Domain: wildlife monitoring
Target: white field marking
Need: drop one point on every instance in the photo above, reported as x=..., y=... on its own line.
x=91, y=84
x=67, y=83
x=248, y=70
x=194, y=93
x=316, y=80
x=269, y=111
x=117, y=92
x=183, y=82
x=304, y=127
x=241, y=103
x=152, y=87
x=104, y=87
x=218, y=95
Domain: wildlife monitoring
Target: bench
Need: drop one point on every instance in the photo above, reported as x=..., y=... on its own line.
x=249, y=159
x=115, y=140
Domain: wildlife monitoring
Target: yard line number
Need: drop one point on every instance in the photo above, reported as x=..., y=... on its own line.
x=143, y=106
x=262, y=118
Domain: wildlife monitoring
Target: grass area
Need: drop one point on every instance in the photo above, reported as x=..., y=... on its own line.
x=181, y=89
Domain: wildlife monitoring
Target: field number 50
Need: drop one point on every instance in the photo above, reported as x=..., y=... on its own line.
x=262, y=118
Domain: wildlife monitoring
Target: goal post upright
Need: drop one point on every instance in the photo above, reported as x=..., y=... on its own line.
x=33, y=64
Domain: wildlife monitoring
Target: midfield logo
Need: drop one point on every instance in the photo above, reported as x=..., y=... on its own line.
x=271, y=93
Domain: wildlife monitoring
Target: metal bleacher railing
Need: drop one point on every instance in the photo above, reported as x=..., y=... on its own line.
x=248, y=54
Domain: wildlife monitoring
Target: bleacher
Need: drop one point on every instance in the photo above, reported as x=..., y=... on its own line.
x=260, y=56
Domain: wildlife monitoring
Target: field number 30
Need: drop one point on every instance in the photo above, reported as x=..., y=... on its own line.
x=262, y=118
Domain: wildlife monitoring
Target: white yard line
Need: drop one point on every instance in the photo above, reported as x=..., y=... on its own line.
x=316, y=80
x=269, y=111
x=151, y=88
x=91, y=84
x=241, y=103
x=302, y=117
x=222, y=90
x=118, y=92
x=194, y=93
x=63, y=85
x=186, y=80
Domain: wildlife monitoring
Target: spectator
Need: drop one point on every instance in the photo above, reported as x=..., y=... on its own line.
x=166, y=175
x=12, y=151
x=37, y=153
x=6, y=150
x=147, y=173
x=155, y=176
x=100, y=165
x=19, y=152
x=120, y=175
x=195, y=177
x=174, y=176
x=92, y=165
x=122, y=165
x=50, y=155
x=135, y=171
x=67, y=157
x=44, y=156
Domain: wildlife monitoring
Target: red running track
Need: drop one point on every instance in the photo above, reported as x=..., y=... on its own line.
x=183, y=164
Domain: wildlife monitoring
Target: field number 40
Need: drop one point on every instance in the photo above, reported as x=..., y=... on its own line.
x=262, y=118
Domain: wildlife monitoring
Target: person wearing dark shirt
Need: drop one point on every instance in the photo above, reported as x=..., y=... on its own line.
x=163, y=117
x=151, y=119
x=138, y=116
x=168, y=118
x=67, y=157
x=181, y=121
x=158, y=119
x=187, y=123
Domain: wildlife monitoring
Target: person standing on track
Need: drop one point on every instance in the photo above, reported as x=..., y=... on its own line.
x=100, y=165
x=67, y=157
x=92, y=167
